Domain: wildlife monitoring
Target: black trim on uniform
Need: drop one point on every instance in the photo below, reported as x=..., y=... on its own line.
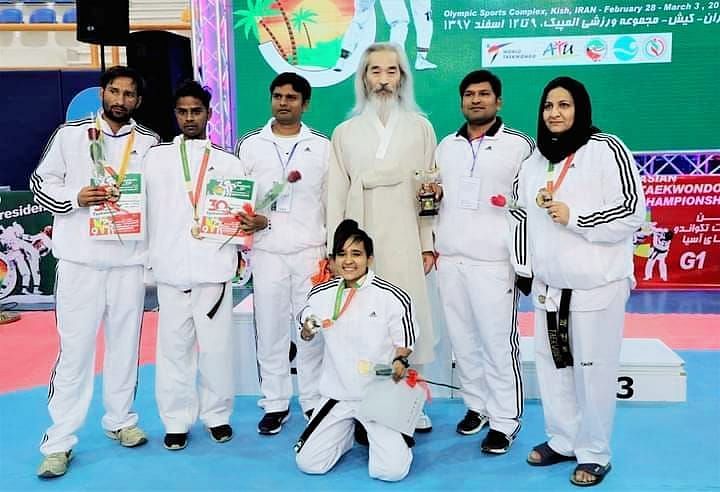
x=528, y=140
x=463, y=132
x=629, y=187
x=314, y=422
x=245, y=137
x=404, y=298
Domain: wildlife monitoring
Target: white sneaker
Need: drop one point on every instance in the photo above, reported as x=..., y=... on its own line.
x=129, y=436
x=424, y=64
x=424, y=424
x=54, y=465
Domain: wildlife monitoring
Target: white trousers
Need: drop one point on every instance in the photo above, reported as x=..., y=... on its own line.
x=86, y=297
x=281, y=284
x=194, y=362
x=579, y=401
x=389, y=456
x=479, y=301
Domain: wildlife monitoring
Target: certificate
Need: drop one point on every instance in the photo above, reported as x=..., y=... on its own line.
x=223, y=196
x=123, y=219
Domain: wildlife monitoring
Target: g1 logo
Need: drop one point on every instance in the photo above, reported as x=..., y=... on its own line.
x=626, y=388
x=691, y=261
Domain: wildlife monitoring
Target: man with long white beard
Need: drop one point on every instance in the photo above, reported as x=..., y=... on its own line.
x=373, y=159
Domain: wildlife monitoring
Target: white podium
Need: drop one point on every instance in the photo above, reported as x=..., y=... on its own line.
x=649, y=371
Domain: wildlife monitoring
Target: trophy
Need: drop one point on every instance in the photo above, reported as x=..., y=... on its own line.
x=428, y=204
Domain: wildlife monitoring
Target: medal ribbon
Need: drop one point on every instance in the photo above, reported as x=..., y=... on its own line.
x=551, y=186
x=194, y=198
x=338, y=311
x=119, y=176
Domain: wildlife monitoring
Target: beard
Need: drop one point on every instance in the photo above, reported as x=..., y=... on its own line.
x=383, y=105
x=107, y=111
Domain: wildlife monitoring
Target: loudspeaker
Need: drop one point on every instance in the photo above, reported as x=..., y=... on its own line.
x=164, y=60
x=103, y=22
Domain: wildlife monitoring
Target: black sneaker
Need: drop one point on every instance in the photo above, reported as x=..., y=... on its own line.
x=495, y=442
x=272, y=422
x=221, y=433
x=175, y=442
x=472, y=423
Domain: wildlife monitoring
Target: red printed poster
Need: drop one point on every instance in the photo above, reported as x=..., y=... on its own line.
x=678, y=247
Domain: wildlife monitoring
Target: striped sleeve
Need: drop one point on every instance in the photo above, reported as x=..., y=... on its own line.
x=621, y=191
x=403, y=326
x=518, y=232
x=47, y=182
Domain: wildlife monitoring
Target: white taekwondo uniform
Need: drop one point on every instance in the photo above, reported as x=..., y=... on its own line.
x=475, y=275
x=379, y=319
x=285, y=255
x=96, y=282
x=593, y=257
x=194, y=292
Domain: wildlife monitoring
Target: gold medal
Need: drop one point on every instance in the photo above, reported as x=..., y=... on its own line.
x=195, y=231
x=541, y=299
x=543, y=197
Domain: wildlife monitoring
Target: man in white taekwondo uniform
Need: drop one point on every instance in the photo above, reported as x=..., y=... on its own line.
x=193, y=277
x=396, y=15
x=289, y=241
x=97, y=281
x=371, y=179
x=475, y=275
x=365, y=321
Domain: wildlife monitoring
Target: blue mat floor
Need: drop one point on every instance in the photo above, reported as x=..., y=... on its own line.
x=656, y=447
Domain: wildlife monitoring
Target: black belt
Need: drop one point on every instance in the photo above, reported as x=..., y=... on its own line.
x=314, y=422
x=216, y=306
x=558, y=332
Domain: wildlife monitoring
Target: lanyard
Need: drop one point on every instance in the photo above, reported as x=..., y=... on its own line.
x=338, y=311
x=286, y=163
x=194, y=198
x=119, y=176
x=551, y=186
x=475, y=152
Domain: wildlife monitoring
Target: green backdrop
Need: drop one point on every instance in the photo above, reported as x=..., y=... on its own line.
x=652, y=106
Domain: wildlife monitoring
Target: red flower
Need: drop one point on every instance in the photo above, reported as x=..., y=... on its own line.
x=247, y=208
x=93, y=133
x=498, y=200
x=294, y=176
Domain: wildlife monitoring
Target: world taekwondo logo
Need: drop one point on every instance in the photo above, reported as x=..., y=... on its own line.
x=495, y=50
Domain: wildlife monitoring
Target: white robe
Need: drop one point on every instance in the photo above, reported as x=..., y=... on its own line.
x=381, y=195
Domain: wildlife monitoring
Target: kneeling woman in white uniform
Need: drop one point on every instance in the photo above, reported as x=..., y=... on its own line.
x=584, y=200
x=365, y=321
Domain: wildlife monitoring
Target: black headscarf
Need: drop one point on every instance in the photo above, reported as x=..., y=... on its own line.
x=557, y=146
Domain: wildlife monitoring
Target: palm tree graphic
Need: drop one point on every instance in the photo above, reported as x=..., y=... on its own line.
x=254, y=15
x=288, y=26
x=301, y=18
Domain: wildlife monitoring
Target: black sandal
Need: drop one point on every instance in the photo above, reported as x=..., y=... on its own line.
x=597, y=471
x=548, y=456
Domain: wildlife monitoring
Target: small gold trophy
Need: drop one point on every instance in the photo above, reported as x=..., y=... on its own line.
x=428, y=204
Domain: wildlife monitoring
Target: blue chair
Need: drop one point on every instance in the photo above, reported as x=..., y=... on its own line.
x=43, y=16
x=70, y=17
x=11, y=16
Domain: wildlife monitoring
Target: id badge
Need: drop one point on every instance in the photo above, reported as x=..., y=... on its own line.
x=284, y=201
x=469, y=196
